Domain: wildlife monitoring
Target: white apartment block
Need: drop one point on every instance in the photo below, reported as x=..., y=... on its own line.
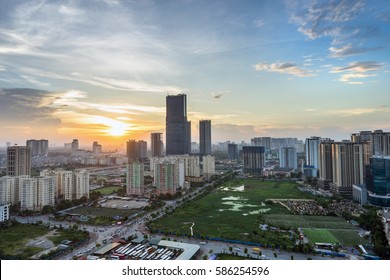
x=135, y=178
x=81, y=184
x=208, y=165
x=28, y=189
x=7, y=189
x=46, y=192
x=66, y=185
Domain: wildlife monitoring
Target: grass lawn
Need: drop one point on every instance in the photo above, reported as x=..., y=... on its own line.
x=320, y=235
x=342, y=236
x=348, y=237
x=108, y=190
x=74, y=235
x=306, y=221
x=14, y=239
x=233, y=212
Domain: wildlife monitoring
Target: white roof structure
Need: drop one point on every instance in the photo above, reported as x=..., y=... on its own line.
x=189, y=250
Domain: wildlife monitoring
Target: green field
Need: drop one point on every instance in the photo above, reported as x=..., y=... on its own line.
x=233, y=212
x=306, y=221
x=320, y=235
x=108, y=190
x=341, y=236
x=14, y=239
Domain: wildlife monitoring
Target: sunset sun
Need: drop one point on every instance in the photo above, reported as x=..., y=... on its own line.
x=117, y=129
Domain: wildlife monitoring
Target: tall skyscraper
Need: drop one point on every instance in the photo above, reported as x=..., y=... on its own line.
x=378, y=181
x=135, y=178
x=156, y=144
x=178, y=128
x=311, y=151
x=347, y=166
x=325, y=163
x=253, y=159
x=288, y=158
x=232, y=152
x=18, y=161
x=131, y=150
x=38, y=147
x=205, y=137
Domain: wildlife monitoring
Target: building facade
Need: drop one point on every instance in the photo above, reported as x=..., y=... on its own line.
x=208, y=166
x=156, y=144
x=178, y=128
x=18, y=161
x=378, y=181
x=347, y=166
x=96, y=148
x=81, y=184
x=166, y=177
x=4, y=212
x=325, y=163
x=253, y=159
x=205, y=137
x=311, y=153
x=288, y=158
x=7, y=190
x=75, y=145
x=263, y=142
x=135, y=179
x=38, y=147
x=232, y=152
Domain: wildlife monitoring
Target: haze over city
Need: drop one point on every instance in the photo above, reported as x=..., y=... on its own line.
x=100, y=70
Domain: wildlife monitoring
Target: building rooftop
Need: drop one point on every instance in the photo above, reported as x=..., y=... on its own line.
x=107, y=248
x=189, y=250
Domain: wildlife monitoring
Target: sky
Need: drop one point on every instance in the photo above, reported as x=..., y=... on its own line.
x=100, y=70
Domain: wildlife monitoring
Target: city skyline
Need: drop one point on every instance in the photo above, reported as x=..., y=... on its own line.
x=267, y=68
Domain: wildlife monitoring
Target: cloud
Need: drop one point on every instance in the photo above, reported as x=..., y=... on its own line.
x=326, y=18
x=284, y=68
x=357, y=70
x=27, y=107
x=259, y=23
x=347, y=50
x=353, y=112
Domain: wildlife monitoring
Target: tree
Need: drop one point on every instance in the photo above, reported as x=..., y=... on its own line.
x=292, y=257
x=275, y=255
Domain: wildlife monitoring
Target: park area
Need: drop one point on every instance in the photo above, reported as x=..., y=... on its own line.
x=236, y=210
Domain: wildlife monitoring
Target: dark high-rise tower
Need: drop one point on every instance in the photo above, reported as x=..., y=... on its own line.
x=178, y=129
x=157, y=144
x=205, y=137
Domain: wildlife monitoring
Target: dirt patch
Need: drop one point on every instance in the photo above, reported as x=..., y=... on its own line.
x=42, y=241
